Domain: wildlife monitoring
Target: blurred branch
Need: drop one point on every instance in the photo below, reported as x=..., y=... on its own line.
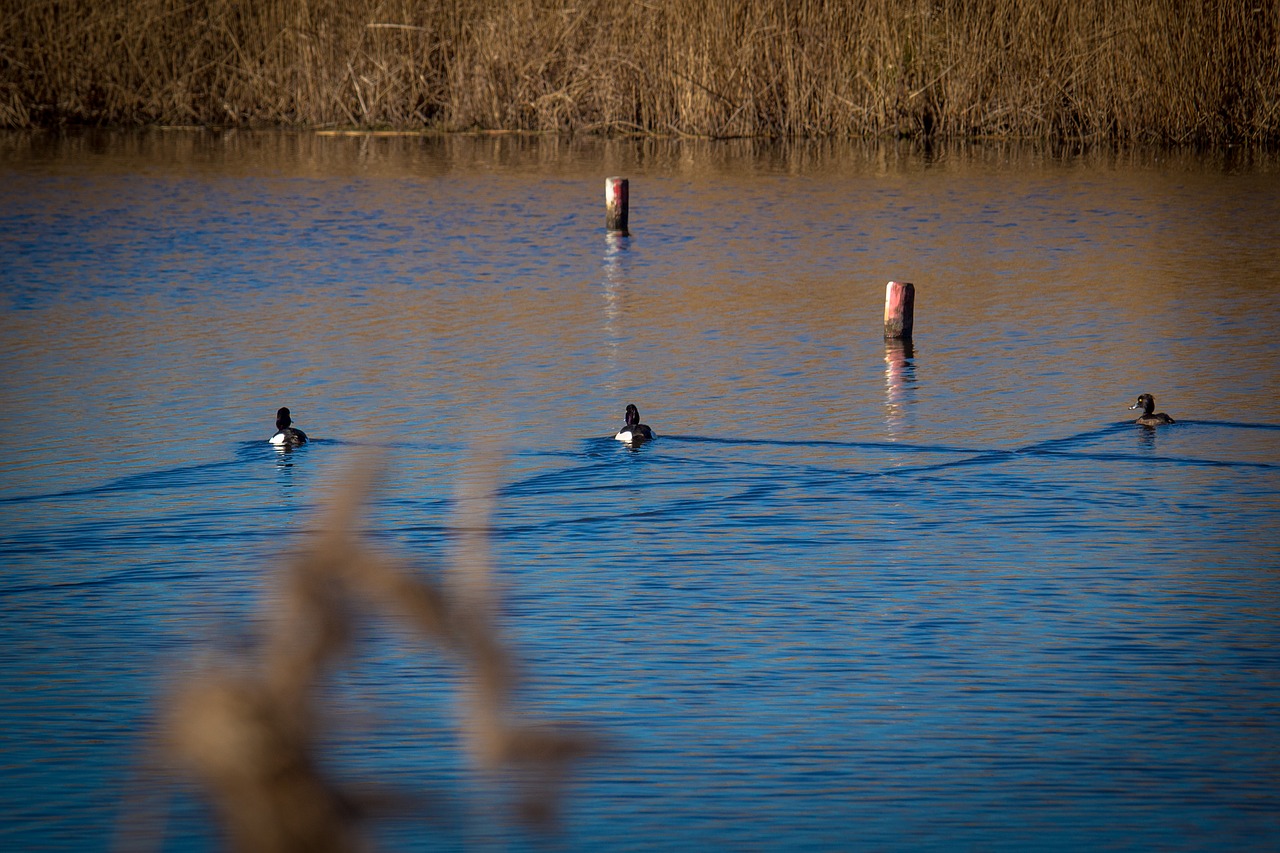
x=249, y=733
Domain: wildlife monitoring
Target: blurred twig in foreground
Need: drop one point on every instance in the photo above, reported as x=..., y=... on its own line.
x=249, y=735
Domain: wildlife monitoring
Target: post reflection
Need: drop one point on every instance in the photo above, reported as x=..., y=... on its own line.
x=616, y=246
x=899, y=383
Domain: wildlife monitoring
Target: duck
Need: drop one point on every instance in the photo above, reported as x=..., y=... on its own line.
x=634, y=432
x=1150, y=417
x=286, y=435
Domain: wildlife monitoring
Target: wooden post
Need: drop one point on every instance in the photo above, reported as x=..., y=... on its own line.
x=899, y=309
x=615, y=204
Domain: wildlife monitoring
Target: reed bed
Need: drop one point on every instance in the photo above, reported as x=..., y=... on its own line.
x=1185, y=71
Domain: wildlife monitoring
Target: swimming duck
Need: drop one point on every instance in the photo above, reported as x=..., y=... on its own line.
x=287, y=436
x=1148, y=405
x=634, y=432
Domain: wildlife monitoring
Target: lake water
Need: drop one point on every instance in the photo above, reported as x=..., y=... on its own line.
x=855, y=595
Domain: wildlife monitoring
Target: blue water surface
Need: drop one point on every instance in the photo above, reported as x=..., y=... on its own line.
x=857, y=595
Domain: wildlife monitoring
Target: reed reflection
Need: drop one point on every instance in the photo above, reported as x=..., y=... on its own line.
x=899, y=383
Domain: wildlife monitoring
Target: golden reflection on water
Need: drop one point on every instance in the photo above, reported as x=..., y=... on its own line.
x=446, y=284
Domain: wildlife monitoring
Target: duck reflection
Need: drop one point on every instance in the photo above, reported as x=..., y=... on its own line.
x=899, y=383
x=285, y=485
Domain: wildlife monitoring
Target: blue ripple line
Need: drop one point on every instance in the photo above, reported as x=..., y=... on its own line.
x=146, y=479
x=1228, y=424
x=853, y=445
x=126, y=576
x=1190, y=462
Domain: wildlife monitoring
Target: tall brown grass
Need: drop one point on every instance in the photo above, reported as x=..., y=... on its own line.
x=1117, y=70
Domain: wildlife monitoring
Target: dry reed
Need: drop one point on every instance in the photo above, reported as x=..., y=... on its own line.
x=1204, y=71
x=249, y=732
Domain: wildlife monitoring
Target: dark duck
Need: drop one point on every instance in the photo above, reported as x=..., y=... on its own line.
x=634, y=432
x=286, y=435
x=1150, y=417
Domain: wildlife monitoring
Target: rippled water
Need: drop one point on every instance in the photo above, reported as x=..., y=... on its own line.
x=854, y=596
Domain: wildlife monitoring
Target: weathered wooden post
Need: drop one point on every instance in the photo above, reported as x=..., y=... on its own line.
x=899, y=309
x=615, y=205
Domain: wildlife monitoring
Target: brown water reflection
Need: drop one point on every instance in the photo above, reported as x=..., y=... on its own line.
x=460, y=270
